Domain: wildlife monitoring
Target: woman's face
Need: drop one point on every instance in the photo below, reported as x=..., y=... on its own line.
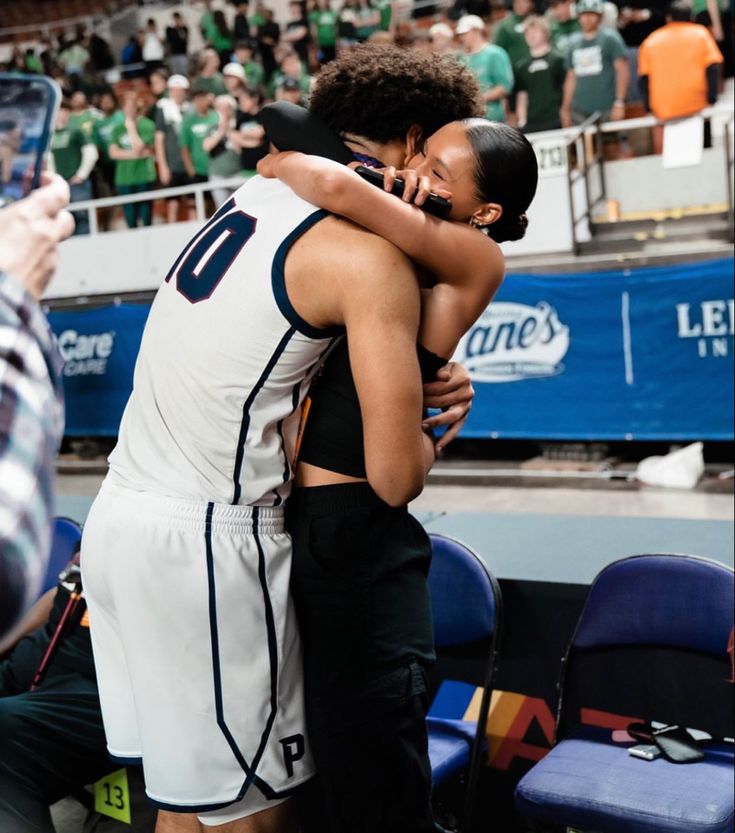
x=448, y=160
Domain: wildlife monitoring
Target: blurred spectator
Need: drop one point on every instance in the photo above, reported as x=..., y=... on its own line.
x=442, y=39
x=250, y=135
x=539, y=80
x=245, y=56
x=716, y=15
x=509, y=33
x=168, y=119
x=290, y=90
x=83, y=117
x=367, y=19
x=73, y=156
x=153, y=53
x=177, y=40
x=131, y=55
x=210, y=78
x=636, y=20
x=291, y=70
x=563, y=24
x=460, y=8
x=268, y=34
x=347, y=24
x=234, y=77
x=112, y=116
x=241, y=22
x=158, y=83
x=296, y=33
x=224, y=154
x=385, y=9
x=100, y=54
x=220, y=37
x=323, y=21
x=679, y=66
x=597, y=69
x=131, y=148
x=196, y=126
x=206, y=21
x=490, y=64
x=74, y=58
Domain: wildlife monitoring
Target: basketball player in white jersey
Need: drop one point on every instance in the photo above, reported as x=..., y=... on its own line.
x=186, y=563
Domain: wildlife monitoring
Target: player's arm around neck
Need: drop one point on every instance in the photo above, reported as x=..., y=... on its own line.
x=380, y=301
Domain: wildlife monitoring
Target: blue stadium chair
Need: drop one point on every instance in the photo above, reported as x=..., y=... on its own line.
x=467, y=610
x=64, y=543
x=677, y=604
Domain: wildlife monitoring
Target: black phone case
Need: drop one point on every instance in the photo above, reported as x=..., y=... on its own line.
x=438, y=206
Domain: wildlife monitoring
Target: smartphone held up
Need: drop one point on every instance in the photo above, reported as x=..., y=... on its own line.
x=28, y=105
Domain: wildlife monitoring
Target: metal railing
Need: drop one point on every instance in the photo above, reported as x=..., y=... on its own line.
x=197, y=191
x=582, y=156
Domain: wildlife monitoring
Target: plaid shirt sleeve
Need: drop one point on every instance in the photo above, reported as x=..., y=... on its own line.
x=31, y=426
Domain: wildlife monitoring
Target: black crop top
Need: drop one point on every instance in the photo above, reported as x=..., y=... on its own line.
x=332, y=437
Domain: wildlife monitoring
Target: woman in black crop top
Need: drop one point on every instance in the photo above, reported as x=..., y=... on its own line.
x=359, y=570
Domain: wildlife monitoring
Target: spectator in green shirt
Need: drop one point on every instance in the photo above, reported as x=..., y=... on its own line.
x=245, y=56
x=73, y=157
x=291, y=69
x=210, y=78
x=563, y=24
x=597, y=69
x=442, y=39
x=539, y=80
x=509, y=34
x=132, y=148
x=112, y=116
x=82, y=115
x=489, y=63
x=195, y=128
x=323, y=22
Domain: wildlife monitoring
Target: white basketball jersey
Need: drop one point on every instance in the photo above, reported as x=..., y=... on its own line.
x=225, y=360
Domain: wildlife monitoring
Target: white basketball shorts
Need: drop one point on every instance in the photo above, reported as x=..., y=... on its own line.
x=196, y=647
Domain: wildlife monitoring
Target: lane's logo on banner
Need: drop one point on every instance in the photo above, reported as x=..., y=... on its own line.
x=511, y=342
x=711, y=323
x=85, y=355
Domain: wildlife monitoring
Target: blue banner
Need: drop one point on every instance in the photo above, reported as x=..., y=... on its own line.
x=643, y=354
x=99, y=348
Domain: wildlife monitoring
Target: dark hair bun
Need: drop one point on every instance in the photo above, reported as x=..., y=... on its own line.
x=508, y=227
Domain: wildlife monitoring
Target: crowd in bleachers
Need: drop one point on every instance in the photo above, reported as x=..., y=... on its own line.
x=162, y=113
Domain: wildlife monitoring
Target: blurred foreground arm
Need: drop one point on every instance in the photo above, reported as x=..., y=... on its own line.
x=31, y=409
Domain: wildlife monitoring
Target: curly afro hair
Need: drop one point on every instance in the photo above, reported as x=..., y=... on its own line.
x=380, y=91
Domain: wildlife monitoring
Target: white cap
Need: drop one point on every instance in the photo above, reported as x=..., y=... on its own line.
x=178, y=82
x=470, y=22
x=441, y=29
x=235, y=70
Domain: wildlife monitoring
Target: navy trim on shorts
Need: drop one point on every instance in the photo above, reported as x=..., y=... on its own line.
x=219, y=709
x=133, y=761
x=247, y=405
x=278, y=282
x=273, y=656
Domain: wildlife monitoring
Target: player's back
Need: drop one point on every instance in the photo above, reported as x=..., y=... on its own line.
x=225, y=360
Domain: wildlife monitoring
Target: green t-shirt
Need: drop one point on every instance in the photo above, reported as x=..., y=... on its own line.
x=561, y=32
x=134, y=171
x=593, y=62
x=491, y=66
x=699, y=6
x=256, y=20
x=66, y=146
x=102, y=132
x=212, y=34
x=509, y=36
x=85, y=122
x=362, y=28
x=386, y=14
x=254, y=73
x=543, y=79
x=325, y=23
x=210, y=83
x=194, y=130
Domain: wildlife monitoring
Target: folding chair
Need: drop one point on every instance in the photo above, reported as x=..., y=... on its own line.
x=67, y=535
x=681, y=606
x=467, y=610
